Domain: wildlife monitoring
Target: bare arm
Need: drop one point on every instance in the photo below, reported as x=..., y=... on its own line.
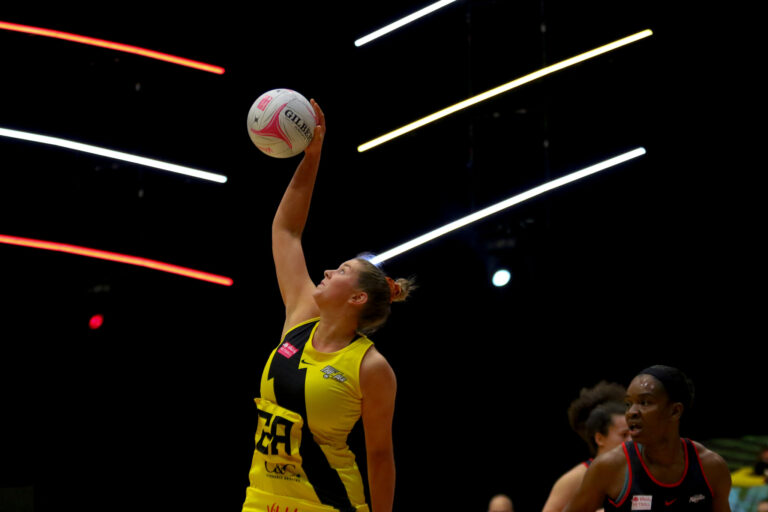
x=604, y=479
x=378, y=384
x=287, y=227
x=564, y=489
x=719, y=478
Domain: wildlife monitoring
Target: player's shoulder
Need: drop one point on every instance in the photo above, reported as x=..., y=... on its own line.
x=375, y=369
x=712, y=462
x=573, y=476
x=374, y=361
x=607, y=472
x=609, y=462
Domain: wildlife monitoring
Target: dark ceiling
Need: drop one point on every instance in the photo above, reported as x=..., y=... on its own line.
x=656, y=260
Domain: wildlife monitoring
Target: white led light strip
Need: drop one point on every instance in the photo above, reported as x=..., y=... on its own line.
x=502, y=89
x=401, y=22
x=519, y=198
x=117, y=155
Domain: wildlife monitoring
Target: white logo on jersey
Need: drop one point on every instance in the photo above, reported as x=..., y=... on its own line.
x=332, y=373
x=641, y=502
x=697, y=498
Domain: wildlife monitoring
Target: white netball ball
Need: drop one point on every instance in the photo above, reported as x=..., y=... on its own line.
x=281, y=123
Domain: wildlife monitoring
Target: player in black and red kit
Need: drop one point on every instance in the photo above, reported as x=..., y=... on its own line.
x=657, y=471
x=597, y=416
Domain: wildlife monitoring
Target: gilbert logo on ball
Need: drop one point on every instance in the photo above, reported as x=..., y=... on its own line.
x=281, y=123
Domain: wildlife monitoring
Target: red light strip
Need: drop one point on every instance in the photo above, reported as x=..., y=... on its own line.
x=120, y=258
x=112, y=46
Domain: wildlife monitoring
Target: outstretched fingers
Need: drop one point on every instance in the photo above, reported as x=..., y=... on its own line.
x=319, y=134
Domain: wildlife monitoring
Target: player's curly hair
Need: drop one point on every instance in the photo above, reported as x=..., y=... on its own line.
x=594, y=409
x=373, y=281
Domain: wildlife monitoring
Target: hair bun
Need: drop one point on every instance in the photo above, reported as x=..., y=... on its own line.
x=400, y=288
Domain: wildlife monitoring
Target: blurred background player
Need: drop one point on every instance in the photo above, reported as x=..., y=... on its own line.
x=750, y=484
x=501, y=503
x=597, y=416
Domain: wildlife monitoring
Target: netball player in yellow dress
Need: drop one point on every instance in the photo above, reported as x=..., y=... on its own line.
x=324, y=375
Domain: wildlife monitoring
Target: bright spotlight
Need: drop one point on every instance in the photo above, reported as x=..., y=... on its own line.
x=501, y=277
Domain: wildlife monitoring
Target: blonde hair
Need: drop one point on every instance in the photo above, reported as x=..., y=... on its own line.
x=374, y=282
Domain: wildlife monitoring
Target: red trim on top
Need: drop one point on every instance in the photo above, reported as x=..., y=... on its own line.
x=623, y=498
x=647, y=472
x=696, y=451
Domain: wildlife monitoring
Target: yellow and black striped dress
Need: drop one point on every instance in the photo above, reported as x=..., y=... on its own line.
x=309, y=403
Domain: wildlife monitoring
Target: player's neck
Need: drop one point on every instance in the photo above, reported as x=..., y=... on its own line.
x=666, y=451
x=333, y=334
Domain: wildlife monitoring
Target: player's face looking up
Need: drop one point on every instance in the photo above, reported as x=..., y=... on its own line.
x=338, y=285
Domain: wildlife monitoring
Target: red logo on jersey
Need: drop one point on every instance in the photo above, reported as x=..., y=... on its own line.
x=287, y=350
x=276, y=508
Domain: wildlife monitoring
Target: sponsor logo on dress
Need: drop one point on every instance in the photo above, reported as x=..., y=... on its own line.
x=281, y=471
x=669, y=502
x=697, y=498
x=329, y=372
x=641, y=502
x=276, y=508
x=287, y=350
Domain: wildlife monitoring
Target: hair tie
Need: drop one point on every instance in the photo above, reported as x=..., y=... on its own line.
x=394, y=289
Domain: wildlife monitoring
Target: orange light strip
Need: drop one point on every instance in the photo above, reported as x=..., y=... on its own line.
x=119, y=258
x=112, y=46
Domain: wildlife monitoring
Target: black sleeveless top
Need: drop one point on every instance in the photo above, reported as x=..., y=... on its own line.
x=642, y=492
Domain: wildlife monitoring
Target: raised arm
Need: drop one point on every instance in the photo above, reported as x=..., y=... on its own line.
x=296, y=286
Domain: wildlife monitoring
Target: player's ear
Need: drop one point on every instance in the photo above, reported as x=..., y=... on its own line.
x=359, y=298
x=599, y=439
x=677, y=410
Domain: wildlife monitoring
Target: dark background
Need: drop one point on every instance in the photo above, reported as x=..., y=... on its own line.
x=655, y=261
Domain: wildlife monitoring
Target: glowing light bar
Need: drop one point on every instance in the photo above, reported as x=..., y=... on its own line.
x=117, y=155
x=519, y=198
x=401, y=22
x=119, y=258
x=503, y=88
x=112, y=46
